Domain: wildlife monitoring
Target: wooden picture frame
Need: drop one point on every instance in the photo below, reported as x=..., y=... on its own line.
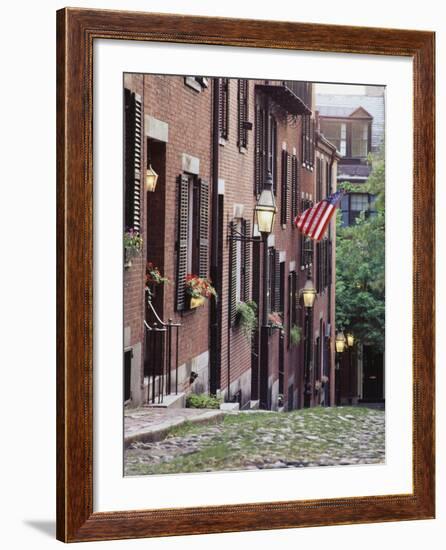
x=77, y=29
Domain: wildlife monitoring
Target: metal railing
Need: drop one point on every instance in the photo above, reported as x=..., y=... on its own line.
x=162, y=353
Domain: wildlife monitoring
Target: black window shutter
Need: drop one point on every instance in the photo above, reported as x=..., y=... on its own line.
x=290, y=308
x=232, y=276
x=133, y=159
x=294, y=188
x=260, y=148
x=272, y=144
x=246, y=255
x=255, y=291
x=330, y=252
x=223, y=107
x=242, y=112
x=294, y=305
x=306, y=140
x=284, y=189
x=325, y=263
x=276, y=280
x=328, y=179
x=312, y=140
x=183, y=215
x=203, y=230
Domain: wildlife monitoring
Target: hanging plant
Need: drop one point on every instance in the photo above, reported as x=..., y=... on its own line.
x=246, y=316
x=295, y=336
x=153, y=275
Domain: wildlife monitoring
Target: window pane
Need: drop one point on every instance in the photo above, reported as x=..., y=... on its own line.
x=359, y=138
x=336, y=133
x=359, y=202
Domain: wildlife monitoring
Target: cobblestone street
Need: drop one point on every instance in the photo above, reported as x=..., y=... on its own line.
x=263, y=439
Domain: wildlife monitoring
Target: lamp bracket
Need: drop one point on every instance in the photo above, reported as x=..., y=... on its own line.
x=235, y=235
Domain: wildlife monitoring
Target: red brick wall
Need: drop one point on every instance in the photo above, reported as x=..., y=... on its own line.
x=189, y=116
x=236, y=168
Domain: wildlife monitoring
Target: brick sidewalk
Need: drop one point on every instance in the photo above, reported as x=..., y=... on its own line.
x=149, y=424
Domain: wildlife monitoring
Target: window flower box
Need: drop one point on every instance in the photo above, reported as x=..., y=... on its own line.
x=198, y=289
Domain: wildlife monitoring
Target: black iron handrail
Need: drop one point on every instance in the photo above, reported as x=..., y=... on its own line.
x=160, y=342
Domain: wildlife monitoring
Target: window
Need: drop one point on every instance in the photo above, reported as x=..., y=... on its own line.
x=272, y=150
x=223, y=107
x=328, y=179
x=359, y=202
x=306, y=251
x=292, y=303
x=350, y=137
x=265, y=145
x=353, y=204
x=320, y=167
x=133, y=159
x=192, y=232
x=274, y=280
x=308, y=134
x=286, y=187
x=306, y=244
x=243, y=112
x=336, y=133
x=323, y=265
x=239, y=265
x=197, y=83
x=359, y=145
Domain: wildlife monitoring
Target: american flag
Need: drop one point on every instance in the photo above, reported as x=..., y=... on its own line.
x=314, y=221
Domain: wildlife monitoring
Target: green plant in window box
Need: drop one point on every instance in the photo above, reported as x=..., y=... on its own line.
x=275, y=320
x=246, y=318
x=198, y=289
x=295, y=336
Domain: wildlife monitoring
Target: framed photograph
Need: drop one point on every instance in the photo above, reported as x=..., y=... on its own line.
x=245, y=275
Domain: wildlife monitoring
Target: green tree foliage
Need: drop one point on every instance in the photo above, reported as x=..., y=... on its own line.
x=360, y=265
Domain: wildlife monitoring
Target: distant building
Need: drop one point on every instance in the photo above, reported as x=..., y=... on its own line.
x=354, y=123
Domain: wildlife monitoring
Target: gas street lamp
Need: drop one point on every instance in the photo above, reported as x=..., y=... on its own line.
x=350, y=339
x=265, y=209
x=309, y=293
x=264, y=214
x=308, y=296
x=340, y=342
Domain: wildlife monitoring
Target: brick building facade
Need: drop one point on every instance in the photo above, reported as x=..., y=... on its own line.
x=212, y=142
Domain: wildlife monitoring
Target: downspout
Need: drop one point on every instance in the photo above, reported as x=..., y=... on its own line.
x=215, y=359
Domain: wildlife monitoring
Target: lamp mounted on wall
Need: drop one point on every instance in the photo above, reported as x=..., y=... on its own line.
x=151, y=179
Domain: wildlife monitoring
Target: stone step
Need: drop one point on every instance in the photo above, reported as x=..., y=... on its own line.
x=170, y=401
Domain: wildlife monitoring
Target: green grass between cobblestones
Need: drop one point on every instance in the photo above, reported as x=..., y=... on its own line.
x=317, y=436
